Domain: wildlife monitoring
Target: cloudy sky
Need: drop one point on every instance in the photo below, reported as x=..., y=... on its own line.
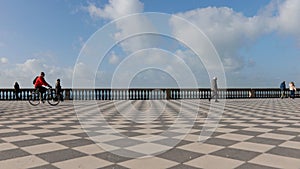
x=257, y=42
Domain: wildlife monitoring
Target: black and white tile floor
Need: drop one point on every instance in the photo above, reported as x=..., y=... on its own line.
x=251, y=133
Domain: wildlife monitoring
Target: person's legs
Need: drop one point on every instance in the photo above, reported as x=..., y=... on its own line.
x=42, y=90
x=282, y=94
x=17, y=94
x=292, y=94
x=212, y=95
x=216, y=96
x=61, y=96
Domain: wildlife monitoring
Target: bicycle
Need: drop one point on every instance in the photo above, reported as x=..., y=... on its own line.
x=35, y=98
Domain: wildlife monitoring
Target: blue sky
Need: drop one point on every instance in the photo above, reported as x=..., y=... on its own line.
x=258, y=41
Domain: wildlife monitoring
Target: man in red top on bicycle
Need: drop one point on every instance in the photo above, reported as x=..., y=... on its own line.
x=40, y=82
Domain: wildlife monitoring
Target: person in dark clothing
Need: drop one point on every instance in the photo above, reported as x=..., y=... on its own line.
x=58, y=90
x=17, y=90
x=40, y=83
x=214, y=90
x=282, y=88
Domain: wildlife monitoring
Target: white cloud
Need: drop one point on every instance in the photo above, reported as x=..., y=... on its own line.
x=115, y=9
x=228, y=30
x=114, y=59
x=25, y=72
x=288, y=18
x=127, y=26
x=3, y=60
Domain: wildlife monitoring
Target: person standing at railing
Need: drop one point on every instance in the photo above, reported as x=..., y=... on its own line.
x=58, y=90
x=214, y=90
x=292, y=90
x=282, y=89
x=17, y=90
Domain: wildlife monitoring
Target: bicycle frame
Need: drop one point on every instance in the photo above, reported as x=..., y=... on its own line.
x=36, y=97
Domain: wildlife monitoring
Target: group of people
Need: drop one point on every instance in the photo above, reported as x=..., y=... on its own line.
x=39, y=82
x=292, y=89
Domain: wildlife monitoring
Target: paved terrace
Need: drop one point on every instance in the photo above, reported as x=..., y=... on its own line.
x=252, y=133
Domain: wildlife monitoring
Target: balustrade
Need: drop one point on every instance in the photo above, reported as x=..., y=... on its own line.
x=152, y=94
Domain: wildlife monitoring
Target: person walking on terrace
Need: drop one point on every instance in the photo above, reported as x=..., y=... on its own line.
x=292, y=90
x=214, y=90
x=282, y=89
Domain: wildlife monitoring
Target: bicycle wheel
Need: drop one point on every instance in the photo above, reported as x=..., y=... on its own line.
x=51, y=99
x=34, y=98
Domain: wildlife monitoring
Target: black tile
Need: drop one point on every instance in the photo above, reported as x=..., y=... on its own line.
x=168, y=142
x=236, y=154
x=131, y=134
x=162, y=128
x=182, y=166
x=114, y=166
x=124, y=142
x=62, y=128
x=3, y=127
x=292, y=133
x=169, y=134
x=71, y=124
x=13, y=153
x=11, y=134
x=49, y=134
x=234, y=127
x=296, y=139
x=76, y=143
x=220, y=142
x=179, y=155
x=250, y=133
x=32, y=142
x=209, y=134
x=60, y=155
x=254, y=166
x=268, y=127
x=130, y=128
x=262, y=140
x=81, y=135
x=183, y=142
x=95, y=129
x=108, y=156
x=29, y=128
x=284, y=151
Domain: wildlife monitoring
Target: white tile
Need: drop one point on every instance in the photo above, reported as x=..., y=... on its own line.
x=22, y=162
x=88, y=162
x=277, y=161
x=148, y=163
x=214, y=162
x=43, y=148
x=252, y=146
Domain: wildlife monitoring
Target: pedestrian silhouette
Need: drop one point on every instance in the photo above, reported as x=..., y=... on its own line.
x=17, y=90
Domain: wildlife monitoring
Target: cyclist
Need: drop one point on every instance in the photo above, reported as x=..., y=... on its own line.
x=39, y=84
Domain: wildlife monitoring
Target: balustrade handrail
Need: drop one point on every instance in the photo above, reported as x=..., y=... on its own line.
x=151, y=93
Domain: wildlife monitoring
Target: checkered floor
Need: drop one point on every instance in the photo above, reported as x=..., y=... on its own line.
x=251, y=133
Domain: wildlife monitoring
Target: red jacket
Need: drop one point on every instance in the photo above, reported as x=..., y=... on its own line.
x=40, y=81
